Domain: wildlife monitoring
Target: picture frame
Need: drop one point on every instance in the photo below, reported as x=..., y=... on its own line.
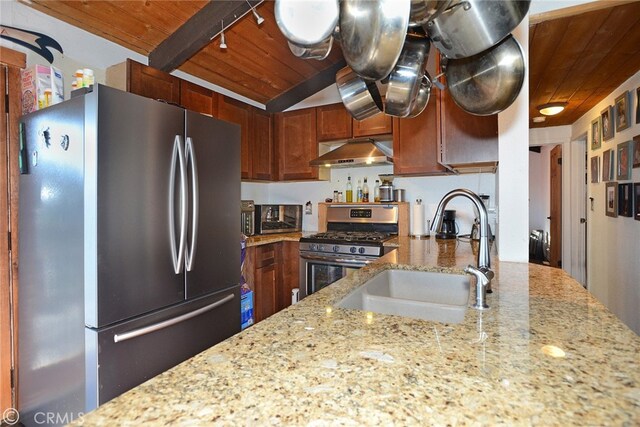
x=623, y=171
x=638, y=105
x=623, y=111
x=596, y=133
x=611, y=199
x=608, y=162
x=636, y=203
x=625, y=200
x=608, y=125
x=595, y=169
x=636, y=152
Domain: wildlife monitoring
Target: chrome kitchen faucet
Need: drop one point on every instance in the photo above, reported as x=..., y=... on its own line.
x=483, y=271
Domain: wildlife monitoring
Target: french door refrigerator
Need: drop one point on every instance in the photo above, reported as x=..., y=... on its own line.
x=129, y=253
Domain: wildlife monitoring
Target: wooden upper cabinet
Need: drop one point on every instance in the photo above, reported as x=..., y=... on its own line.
x=416, y=141
x=199, y=99
x=262, y=146
x=239, y=113
x=152, y=83
x=466, y=139
x=379, y=124
x=296, y=144
x=334, y=122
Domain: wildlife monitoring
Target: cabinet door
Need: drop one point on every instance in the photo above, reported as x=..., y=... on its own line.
x=334, y=122
x=466, y=139
x=262, y=148
x=380, y=124
x=239, y=113
x=152, y=83
x=297, y=145
x=199, y=99
x=290, y=268
x=266, y=279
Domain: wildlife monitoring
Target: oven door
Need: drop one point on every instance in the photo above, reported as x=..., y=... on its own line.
x=318, y=271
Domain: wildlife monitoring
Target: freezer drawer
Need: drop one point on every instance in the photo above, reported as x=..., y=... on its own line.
x=130, y=353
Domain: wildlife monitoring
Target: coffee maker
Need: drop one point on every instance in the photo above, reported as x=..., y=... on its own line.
x=449, y=228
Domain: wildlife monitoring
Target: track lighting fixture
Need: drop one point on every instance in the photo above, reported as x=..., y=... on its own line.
x=259, y=18
x=223, y=42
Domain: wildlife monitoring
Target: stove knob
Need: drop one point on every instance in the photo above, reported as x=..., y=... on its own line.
x=313, y=246
x=336, y=248
x=361, y=250
x=353, y=249
x=321, y=248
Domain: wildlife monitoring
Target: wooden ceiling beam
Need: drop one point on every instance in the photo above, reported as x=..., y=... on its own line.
x=305, y=89
x=197, y=32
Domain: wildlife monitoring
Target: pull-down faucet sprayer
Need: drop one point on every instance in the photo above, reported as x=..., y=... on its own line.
x=484, y=260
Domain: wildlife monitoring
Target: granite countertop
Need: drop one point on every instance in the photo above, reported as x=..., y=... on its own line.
x=545, y=353
x=265, y=239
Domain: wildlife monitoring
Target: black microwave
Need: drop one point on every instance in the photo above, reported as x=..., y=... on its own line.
x=270, y=219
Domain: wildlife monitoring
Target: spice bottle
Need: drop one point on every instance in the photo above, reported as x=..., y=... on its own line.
x=376, y=192
x=365, y=191
x=359, y=192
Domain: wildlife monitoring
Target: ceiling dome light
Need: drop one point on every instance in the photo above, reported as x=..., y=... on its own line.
x=552, y=108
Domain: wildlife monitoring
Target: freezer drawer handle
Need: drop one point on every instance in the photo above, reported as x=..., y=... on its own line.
x=190, y=154
x=156, y=327
x=177, y=254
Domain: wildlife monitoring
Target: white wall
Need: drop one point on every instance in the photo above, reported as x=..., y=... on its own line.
x=613, y=244
x=429, y=189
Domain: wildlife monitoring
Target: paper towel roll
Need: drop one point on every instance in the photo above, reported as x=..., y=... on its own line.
x=417, y=220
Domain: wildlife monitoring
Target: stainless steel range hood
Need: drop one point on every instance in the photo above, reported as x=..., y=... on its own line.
x=362, y=152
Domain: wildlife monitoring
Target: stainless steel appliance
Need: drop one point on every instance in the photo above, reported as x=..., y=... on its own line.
x=129, y=255
x=355, y=236
x=270, y=219
x=247, y=217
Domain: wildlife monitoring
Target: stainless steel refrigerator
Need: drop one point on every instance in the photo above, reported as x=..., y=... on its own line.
x=129, y=252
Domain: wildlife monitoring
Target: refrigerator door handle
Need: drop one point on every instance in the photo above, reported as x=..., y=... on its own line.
x=190, y=154
x=177, y=253
x=165, y=324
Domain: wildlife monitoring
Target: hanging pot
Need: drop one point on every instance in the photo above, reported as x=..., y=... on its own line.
x=405, y=78
x=468, y=27
x=372, y=35
x=319, y=51
x=489, y=82
x=306, y=23
x=425, y=10
x=422, y=98
x=361, y=98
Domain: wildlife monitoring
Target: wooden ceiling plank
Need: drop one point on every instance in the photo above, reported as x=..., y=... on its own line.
x=164, y=16
x=196, y=33
x=305, y=89
x=89, y=23
x=542, y=48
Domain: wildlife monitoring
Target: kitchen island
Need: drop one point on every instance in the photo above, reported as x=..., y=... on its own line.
x=545, y=353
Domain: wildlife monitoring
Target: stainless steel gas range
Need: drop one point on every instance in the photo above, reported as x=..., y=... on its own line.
x=355, y=236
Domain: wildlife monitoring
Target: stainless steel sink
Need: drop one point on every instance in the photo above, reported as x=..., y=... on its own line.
x=418, y=294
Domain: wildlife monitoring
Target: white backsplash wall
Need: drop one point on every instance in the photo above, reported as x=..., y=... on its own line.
x=429, y=189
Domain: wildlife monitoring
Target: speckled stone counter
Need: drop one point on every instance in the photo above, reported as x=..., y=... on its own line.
x=275, y=238
x=545, y=353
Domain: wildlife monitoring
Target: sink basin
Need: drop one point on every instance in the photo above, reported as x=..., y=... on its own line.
x=418, y=294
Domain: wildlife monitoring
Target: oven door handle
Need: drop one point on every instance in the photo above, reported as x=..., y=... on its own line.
x=334, y=259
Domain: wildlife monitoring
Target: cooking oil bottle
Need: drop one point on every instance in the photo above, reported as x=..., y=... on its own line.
x=365, y=191
x=349, y=190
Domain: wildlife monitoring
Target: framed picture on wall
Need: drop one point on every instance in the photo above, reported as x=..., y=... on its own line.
x=623, y=111
x=625, y=199
x=608, y=162
x=611, y=199
x=624, y=161
x=636, y=202
x=596, y=134
x=638, y=105
x=595, y=169
x=636, y=151
x=607, y=123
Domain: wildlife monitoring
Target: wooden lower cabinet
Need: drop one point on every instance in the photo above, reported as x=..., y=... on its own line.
x=273, y=274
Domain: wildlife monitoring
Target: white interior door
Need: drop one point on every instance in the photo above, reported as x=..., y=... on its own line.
x=574, y=215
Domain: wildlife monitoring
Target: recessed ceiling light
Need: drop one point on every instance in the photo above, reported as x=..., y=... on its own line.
x=551, y=108
x=539, y=119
